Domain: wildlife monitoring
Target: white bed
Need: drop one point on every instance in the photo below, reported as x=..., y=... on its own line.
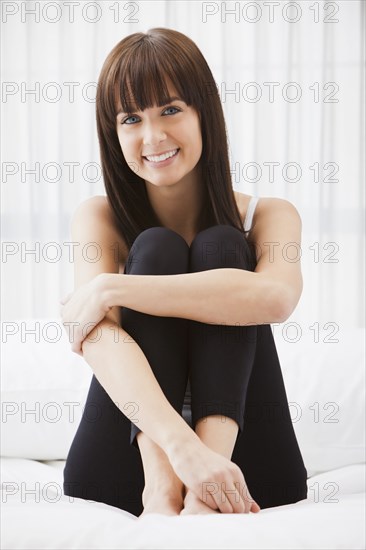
x=331, y=517
x=325, y=387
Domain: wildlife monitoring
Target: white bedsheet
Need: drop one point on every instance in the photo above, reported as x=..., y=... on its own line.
x=36, y=515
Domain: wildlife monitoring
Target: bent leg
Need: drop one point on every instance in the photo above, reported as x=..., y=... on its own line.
x=235, y=372
x=220, y=356
x=164, y=340
x=267, y=450
x=102, y=464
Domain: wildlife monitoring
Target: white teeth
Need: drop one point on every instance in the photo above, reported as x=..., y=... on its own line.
x=162, y=157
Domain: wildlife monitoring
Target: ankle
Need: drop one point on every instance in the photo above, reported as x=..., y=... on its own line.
x=160, y=476
x=168, y=491
x=218, y=433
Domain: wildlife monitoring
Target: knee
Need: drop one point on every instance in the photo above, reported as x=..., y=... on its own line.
x=158, y=250
x=221, y=246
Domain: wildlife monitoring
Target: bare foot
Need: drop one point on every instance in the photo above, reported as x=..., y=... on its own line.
x=201, y=469
x=194, y=505
x=167, y=501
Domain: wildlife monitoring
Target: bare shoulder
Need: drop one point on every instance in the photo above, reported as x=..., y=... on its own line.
x=95, y=208
x=272, y=210
x=95, y=217
x=267, y=207
x=98, y=246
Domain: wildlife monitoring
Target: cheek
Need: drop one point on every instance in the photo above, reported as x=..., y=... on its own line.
x=197, y=140
x=126, y=146
x=196, y=132
x=120, y=140
x=192, y=134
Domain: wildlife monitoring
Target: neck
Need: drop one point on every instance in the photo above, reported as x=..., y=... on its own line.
x=178, y=206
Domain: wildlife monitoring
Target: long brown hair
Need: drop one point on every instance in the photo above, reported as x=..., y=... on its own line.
x=138, y=66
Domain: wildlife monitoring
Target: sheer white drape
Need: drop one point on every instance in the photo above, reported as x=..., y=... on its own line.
x=292, y=88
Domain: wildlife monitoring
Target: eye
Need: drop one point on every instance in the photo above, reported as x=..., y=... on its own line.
x=175, y=108
x=124, y=121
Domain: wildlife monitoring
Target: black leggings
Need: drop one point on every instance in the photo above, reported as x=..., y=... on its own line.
x=231, y=371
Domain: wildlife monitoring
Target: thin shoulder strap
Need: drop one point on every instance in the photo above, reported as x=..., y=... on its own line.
x=250, y=212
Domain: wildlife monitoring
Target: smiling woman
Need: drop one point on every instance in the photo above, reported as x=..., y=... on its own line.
x=163, y=145
x=194, y=302
x=147, y=105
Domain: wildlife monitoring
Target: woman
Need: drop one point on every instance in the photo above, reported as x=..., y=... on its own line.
x=176, y=306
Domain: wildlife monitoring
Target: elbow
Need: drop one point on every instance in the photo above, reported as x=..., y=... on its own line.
x=94, y=336
x=283, y=304
x=281, y=312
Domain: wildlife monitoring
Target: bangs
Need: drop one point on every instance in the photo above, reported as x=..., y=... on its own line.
x=141, y=80
x=139, y=73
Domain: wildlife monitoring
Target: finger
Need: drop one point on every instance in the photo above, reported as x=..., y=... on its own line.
x=76, y=347
x=250, y=503
x=65, y=298
x=207, y=496
x=212, y=495
x=223, y=503
x=211, y=502
x=223, y=500
x=247, y=500
x=255, y=508
x=236, y=500
x=80, y=350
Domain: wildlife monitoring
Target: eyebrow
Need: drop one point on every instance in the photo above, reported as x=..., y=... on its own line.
x=134, y=108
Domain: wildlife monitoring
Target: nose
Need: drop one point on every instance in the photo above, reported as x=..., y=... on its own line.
x=154, y=133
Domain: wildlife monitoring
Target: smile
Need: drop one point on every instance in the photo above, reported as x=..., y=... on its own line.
x=162, y=159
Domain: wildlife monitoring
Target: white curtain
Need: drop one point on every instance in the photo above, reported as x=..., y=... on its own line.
x=291, y=80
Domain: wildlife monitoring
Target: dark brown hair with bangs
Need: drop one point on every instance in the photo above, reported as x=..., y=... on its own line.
x=134, y=74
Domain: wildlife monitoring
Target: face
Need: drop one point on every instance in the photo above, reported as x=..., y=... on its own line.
x=173, y=129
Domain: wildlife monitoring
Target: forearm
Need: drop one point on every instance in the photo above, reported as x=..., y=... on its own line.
x=122, y=369
x=218, y=296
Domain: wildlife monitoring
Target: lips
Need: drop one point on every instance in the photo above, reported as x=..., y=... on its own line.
x=166, y=160
x=176, y=151
x=162, y=153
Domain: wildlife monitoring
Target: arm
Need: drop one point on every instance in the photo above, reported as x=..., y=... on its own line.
x=116, y=359
x=218, y=296
x=123, y=370
x=227, y=296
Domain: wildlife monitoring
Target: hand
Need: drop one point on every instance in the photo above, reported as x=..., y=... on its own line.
x=216, y=480
x=82, y=310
